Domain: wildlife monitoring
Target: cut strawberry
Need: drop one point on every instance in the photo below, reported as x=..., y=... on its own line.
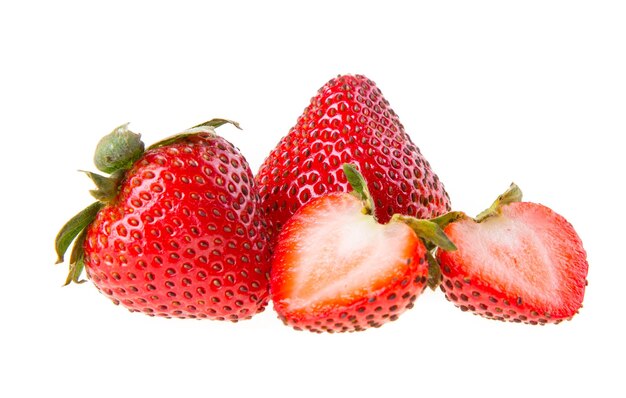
x=517, y=261
x=335, y=268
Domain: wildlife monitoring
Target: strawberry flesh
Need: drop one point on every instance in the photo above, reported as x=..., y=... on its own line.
x=526, y=264
x=332, y=262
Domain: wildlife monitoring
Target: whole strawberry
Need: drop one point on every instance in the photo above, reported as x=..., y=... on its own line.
x=516, y=261
x=177, y=230
x=349, y=121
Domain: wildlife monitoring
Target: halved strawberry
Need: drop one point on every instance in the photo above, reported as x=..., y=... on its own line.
x=336, y=269
x=517, y=261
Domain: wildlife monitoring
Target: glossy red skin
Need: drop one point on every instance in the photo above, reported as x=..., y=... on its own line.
x=186, y=236
x=469, y=292
x=384, y=304
x=349, y=121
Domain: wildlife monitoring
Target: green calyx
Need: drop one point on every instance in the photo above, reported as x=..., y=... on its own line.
x=106, y=187
x=450, y=217
x=511, y=195
x=73, y=227
x=114, y=154
x=434, y=272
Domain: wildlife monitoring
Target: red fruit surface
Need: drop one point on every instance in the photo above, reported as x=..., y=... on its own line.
x=349, y=121
x=526, y=264
x=336, y=269
x=185, y=237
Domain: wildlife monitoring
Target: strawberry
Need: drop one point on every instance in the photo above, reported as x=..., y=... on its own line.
x=517, y=261
x=177, y=230
x=336, y=269
x=349, y=121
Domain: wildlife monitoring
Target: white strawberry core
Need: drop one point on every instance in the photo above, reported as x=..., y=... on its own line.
x=514, y=255
x=340, y=253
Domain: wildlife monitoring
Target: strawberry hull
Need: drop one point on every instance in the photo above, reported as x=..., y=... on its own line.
x=349, y=121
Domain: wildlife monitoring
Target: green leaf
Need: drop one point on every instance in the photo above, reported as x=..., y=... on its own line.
x=207, y=127
x=77, y=263
x=73, y=227
x=427, y=230
x=214, y=123
x=359, y=187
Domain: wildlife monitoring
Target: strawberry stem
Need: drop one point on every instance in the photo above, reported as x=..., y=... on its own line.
x=118, y=150
x=511, y=195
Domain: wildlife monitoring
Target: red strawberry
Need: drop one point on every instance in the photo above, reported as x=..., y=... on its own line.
x=349, y=121
x=177, y=231
x=517, y=261
x=336, y=269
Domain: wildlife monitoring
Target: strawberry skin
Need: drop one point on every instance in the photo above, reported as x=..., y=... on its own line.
x=525, y=264
x=349, y=121
x=183, y=235
x=336, y=269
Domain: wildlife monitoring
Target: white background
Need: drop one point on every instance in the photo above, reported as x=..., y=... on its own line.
x=491, y=91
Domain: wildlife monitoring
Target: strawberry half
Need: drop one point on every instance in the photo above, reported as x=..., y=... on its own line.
x=517, y=261
x=336, y=269
x=177, y=230
x=349, y=121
